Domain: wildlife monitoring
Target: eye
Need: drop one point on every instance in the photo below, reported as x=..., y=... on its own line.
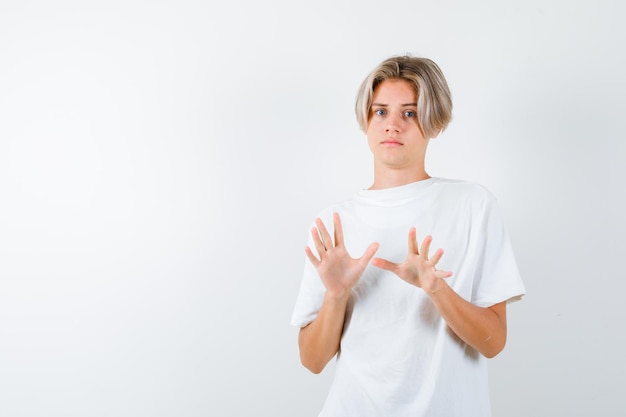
x=380, y=112
x=409, y=113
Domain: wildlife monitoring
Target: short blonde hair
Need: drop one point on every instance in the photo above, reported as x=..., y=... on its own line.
x=434, y=101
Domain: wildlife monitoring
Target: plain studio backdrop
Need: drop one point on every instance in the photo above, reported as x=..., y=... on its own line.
x=161, y=162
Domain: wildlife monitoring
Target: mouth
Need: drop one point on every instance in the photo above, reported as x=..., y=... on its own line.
x=391, y=142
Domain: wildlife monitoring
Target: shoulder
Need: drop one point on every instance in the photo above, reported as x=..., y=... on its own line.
x=465, y=191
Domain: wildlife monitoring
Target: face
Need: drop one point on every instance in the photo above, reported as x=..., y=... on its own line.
x=393, y=132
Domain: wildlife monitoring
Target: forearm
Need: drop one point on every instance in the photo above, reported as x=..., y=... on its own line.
x=482, y=328
x=319, y=340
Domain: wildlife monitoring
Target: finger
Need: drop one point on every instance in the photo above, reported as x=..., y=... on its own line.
x=326, y=239
x=437, y=256
x=413, y=241
x=369, y=253
x=338, y=229
x=317, y=241
x=312, y=258
x=443, y=274
x=386, y=265
x=426, y=246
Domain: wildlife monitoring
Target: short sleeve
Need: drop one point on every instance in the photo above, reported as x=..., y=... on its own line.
x=497, y=276
x=311, y=294
x=310, y=297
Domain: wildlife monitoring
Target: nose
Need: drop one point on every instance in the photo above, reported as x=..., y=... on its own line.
x=394, y=123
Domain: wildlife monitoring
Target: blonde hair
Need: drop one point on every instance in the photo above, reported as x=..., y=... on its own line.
x=434, y=101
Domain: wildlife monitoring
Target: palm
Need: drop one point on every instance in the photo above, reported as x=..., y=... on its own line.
x=417, y=269
x=338, y=271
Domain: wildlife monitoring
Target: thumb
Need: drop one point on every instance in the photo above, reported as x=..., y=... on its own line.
x=369, y=252
x=385, y=264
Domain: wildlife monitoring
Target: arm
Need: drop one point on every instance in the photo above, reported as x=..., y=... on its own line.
x=319, y=340
x=482, y=328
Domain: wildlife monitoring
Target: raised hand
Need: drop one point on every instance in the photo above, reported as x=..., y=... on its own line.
x=417, y=269
x=337, y=269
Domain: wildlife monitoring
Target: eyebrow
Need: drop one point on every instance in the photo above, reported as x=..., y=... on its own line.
x=403, y=105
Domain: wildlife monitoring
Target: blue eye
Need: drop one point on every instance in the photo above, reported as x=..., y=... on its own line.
x=409, y=113
x=380, y=112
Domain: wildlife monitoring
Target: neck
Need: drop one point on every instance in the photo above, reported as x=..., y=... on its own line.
x=385, y=177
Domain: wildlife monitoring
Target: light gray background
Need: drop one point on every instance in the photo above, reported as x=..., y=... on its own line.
x=160, y=163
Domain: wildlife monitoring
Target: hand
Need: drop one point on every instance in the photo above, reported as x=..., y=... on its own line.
x=339, y=272
x=417, y=269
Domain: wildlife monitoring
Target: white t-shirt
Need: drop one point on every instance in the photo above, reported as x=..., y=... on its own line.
x=397, y=355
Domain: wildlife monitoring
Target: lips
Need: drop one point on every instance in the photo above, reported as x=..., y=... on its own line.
x=391, y=142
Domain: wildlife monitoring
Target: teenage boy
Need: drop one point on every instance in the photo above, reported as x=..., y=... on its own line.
x=411, y=328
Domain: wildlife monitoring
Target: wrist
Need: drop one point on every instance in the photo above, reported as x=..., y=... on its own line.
x=341, y=296
x=436, y=287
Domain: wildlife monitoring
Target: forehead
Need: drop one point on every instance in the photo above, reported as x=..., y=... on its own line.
x=390, y=91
